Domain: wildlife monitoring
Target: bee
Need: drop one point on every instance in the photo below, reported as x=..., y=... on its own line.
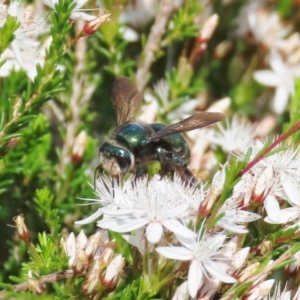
x=134, y=144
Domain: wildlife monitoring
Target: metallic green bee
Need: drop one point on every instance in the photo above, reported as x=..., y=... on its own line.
x=134, y=144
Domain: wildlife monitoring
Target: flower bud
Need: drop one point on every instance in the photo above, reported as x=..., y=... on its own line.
x=79, y=146
x=92, y=26
x=209, y=27
x=249, y=272
x=92, y=282
x=215, y=190
x=239, y=258
x=21, y=228
x=81, y=263
x=112, y=273
x=93, y=245
x=263, y=185
x=261, y=290
x=69, y=246
x=81, y=241
x=106, y=255
x=34, y=285
x=265, y=248
x=203, y=38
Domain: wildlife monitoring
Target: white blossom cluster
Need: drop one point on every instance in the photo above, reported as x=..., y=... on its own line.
x=274, y=181
x=146, y=211
x=25, y=51
x=31, y=39
x=161, y=214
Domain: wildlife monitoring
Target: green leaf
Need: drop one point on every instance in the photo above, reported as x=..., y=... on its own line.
x=7, y=32
x=44, y=204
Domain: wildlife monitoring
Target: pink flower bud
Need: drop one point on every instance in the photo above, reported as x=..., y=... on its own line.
x=79, y=146
x=92, y=26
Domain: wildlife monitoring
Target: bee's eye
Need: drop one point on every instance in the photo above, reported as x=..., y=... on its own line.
x=124, y=160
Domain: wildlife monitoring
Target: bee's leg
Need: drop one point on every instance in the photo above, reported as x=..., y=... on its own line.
x=186, y=175
x=96, y=175
x=140, y=170
x=165, y=162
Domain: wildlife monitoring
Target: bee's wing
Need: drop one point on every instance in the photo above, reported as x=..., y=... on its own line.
x=197, y=120
x=127, y=100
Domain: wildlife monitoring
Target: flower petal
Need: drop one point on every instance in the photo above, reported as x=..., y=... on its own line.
x=179, y=253
x=290, y=187
x=266, y=77
x=154, y=232
x=217, y=272
x=195, y=278
x=177, y=228
x=122, y=225
x=272, y=208
x=281, y=98
x=91, y=218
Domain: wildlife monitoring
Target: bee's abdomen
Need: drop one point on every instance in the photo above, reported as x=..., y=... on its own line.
x=174, y=142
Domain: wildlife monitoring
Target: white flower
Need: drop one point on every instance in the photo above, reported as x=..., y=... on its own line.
x=77, y=12
x=159, y=102
x=212, y=285
x=129, y=34
x=104, y=189
x=139, y=13
x=276, y=215
x=24, y=51
x=264, y=25
x=267, y=177
x=289, y=48
x=206, y=256
x=283, y=166
x=235, y=136
x=153, y=204
x=267, y=27
x=243, y=190
x=235, y=218
x=261, y=291
x=282, y=77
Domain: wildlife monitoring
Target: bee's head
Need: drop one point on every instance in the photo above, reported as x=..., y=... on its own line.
x=115, y=160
